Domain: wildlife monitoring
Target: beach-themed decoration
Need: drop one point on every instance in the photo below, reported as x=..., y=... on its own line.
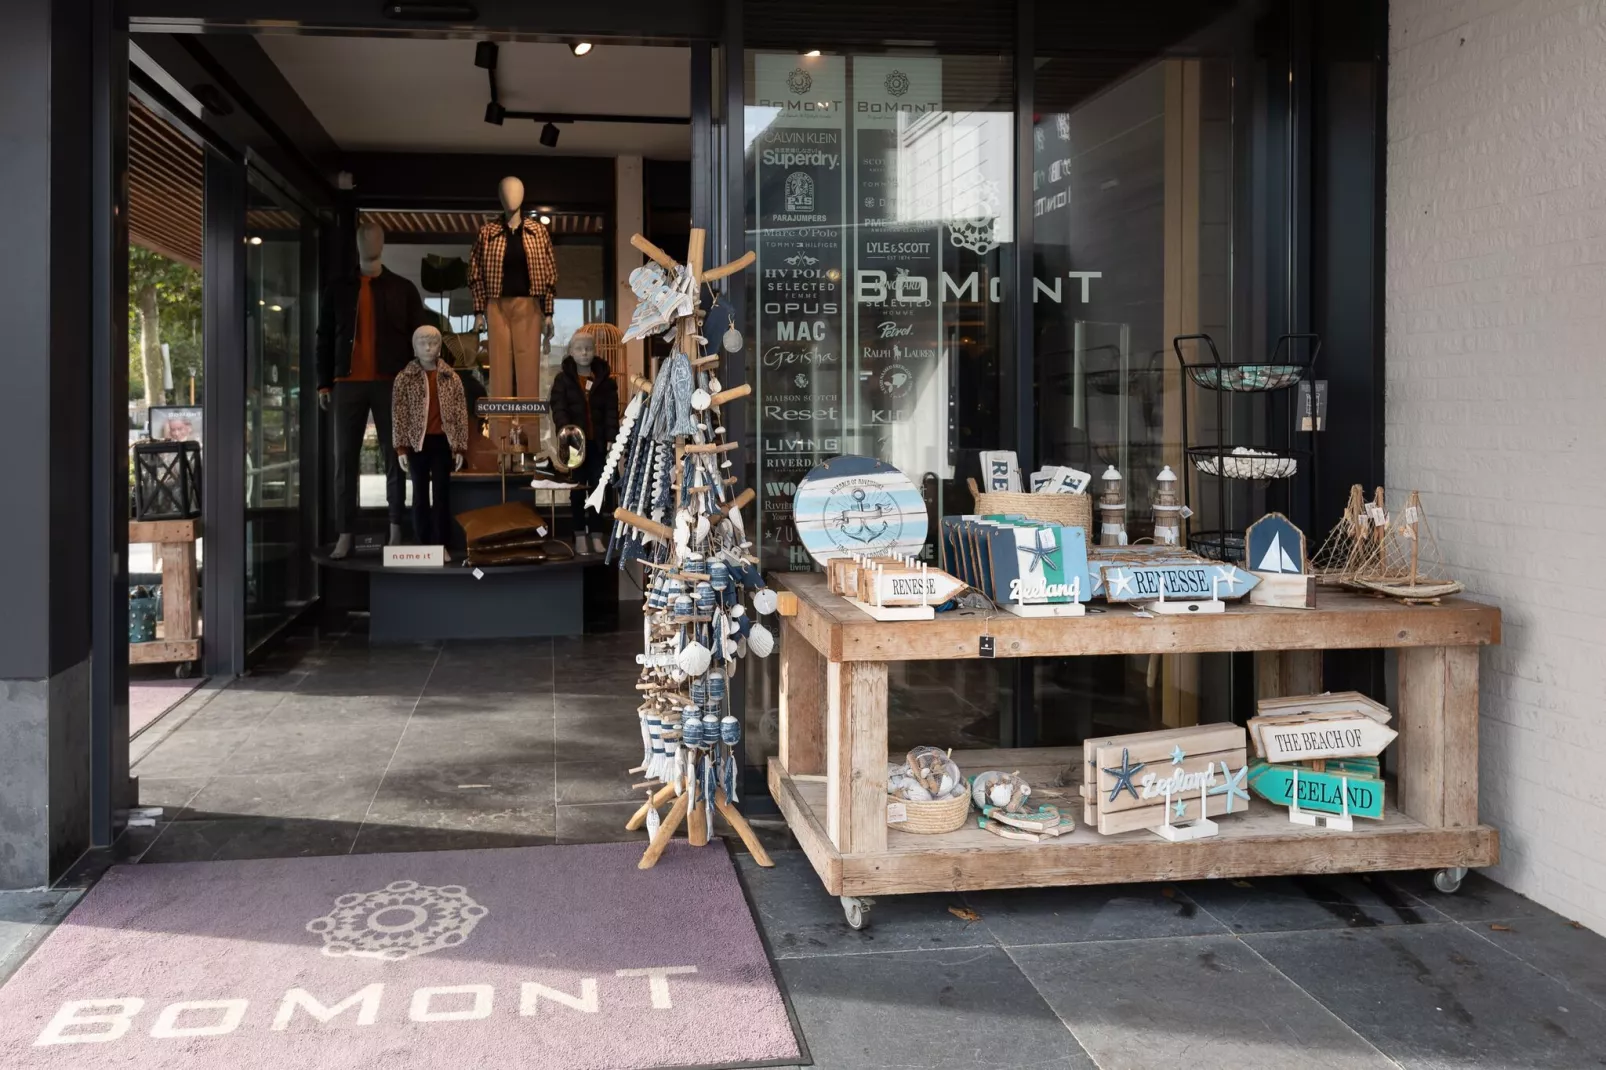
x=999, y=790
x=1171, y=782
x=1407, y=564
x=1112, y=508
x=892, y=588
x=927, y=794
x=1167, y=509
x=680, y=517
x=1000, y=471
x=1033, y=825
x=1355, y=542
x=1307, y=793
x=1025, y=567
x=1315, y=728
x=1274, y=550
x=1166, y=584
x=858, y=505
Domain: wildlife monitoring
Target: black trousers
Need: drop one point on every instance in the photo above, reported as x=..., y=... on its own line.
x=431, y=470
x=590, y=472
x=352, y=404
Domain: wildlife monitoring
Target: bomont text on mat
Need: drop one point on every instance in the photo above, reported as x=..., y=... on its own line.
x=102, y=1021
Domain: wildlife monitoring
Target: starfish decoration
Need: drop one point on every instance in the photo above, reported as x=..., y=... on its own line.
x=1177, y=754
x=1179, y=808
x=1231, y=785
x=1123, y=776
x=1038, y=553
x=1229, y=573
x=1120, y=583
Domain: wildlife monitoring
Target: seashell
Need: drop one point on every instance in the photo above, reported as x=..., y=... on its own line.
x=760, y=641
x=694, y=657
x=713, y=384
x=700, y=400
x=765, y=601
x=997, y=789
x=702, y=528
x=732, y=340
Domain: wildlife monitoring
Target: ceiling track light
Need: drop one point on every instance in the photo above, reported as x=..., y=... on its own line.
x=549, y=136
x=581, y=48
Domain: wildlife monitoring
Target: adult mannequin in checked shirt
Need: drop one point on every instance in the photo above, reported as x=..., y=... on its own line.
x=513, y=275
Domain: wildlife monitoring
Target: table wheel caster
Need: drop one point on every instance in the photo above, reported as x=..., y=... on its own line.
x=1448, y=880
x=857, y=911
x=183, y=669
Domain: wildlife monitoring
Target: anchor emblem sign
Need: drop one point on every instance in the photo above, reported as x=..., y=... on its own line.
x=863, y=522
x=852, y=505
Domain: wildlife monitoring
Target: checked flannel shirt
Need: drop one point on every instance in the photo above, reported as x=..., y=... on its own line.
x=485, y=263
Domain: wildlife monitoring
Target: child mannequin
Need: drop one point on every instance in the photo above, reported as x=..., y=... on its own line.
x=430, y=434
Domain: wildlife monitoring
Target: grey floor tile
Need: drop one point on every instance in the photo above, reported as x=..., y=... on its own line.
x=234, y=708
x=595, y=782
x=1201, y=1001
x=1551, y=944
x=606, y=677
x=937, y=1010
x=169, y=794
x=514, y=737
x=1440, y=996
x=489, y=797
x=399, y=839
x=1480, y=899
x=1101, y=912
x=27, y=918
x=192, y=753
x=467, y=703
x=801, y=919
x=242, y=838
x=598, y=823
x=1285, y=904
x=298, y=746
x=297, y=796
x=304, y=708
x=615, y=741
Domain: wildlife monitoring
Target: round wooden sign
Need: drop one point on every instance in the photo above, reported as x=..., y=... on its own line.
x=858, y=505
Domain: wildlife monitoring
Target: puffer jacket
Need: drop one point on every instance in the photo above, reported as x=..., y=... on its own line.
x=594, y=411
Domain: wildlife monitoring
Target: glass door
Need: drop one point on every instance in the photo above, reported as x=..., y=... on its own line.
x=280, y=296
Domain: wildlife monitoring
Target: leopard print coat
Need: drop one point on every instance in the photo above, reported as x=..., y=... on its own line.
x=410, y=407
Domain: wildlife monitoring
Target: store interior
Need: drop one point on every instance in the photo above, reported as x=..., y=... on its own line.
x=421, y=736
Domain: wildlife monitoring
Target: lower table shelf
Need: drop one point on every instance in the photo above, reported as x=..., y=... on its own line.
x=1260, y=842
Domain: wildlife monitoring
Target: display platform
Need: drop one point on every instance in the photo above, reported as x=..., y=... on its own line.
x=559, y=597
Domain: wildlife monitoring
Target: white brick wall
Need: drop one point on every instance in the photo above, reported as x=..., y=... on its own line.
x=1496, y=379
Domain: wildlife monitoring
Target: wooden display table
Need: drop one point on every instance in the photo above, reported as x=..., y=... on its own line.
x=829, y=779
x=179, y=640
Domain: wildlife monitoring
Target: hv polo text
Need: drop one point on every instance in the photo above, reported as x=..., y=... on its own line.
x=101, y=1021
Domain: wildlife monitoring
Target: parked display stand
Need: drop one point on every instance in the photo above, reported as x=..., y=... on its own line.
x=179, y=643
x=829, y=778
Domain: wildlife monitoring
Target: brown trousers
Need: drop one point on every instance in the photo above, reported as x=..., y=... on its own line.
x=515, y=325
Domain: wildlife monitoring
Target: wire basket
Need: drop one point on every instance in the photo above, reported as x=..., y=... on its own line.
x=932, y=818
x=1244, y=462
x=1218, y=545
x=1246, y=378
x=1066, y=510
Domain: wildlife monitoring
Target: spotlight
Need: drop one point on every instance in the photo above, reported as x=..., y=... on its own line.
x=580, y=48
x=256, y=239
x=549, y=136
x=812, y=53
x=485, y=55
x=546, y=220
x=495, y=113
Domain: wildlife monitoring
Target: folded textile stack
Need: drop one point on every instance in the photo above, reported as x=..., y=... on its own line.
x=507, y=534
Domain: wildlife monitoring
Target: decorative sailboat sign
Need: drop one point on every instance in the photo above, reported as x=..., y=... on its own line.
x=1274, y=544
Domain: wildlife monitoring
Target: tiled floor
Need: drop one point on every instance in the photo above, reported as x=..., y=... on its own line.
x=340, y=747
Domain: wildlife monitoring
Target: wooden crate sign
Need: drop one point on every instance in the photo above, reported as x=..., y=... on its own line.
x=1143, y=583
x=1140, y=781
x=1303, y=739
x=1321, y=792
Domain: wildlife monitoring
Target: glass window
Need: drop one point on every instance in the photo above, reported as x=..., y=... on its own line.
x=1156, y=176
x=280, y=295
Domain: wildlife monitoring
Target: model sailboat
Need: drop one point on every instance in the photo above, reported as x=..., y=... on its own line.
x=1408, y=565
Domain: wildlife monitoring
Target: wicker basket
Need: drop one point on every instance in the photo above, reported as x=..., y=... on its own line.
x=1066, y=510
x=932, y=818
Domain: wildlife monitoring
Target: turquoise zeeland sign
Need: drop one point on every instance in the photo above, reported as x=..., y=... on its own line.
x=1319, y=792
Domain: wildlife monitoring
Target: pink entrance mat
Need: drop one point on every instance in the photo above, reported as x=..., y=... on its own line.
x=562, y=957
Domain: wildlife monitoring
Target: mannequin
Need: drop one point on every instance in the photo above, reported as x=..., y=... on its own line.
x=513, y=275
x=365, y=326
x=585, y=394
x=431, y=434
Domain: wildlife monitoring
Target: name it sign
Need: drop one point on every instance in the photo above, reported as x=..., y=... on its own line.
x=510, y=407
x=415, y=556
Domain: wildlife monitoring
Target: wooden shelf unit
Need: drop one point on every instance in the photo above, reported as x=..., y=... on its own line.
x=180, y=641
x=829, y=779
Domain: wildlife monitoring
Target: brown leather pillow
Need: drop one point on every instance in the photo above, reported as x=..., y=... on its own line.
x=495, y=525
x=522, y=554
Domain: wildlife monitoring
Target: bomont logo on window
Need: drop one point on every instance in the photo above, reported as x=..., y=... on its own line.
x=799, y=81
x=896, y=83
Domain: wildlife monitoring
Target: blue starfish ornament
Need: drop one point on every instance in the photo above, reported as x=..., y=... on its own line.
x=1038, y=552
x=1123, y=776
x=1179, y=808
x=1231, y=785
x=1177, y=754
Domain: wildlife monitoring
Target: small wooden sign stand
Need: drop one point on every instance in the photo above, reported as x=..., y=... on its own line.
x=1198, y=829
x=1213, y=604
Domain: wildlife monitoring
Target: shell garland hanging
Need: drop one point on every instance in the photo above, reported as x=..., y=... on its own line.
x=679, y=517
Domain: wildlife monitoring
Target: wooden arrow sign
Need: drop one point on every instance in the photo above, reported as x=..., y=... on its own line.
x=1304, y=739
x=1143, y=583
x=1321, y=792
x=906, y=586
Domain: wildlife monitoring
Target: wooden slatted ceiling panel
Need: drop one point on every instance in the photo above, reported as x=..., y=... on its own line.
x=165, y=209
x=467, y=224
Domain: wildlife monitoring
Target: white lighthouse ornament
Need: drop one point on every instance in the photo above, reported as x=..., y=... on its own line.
x=1112, y=509
x=1167, y=509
